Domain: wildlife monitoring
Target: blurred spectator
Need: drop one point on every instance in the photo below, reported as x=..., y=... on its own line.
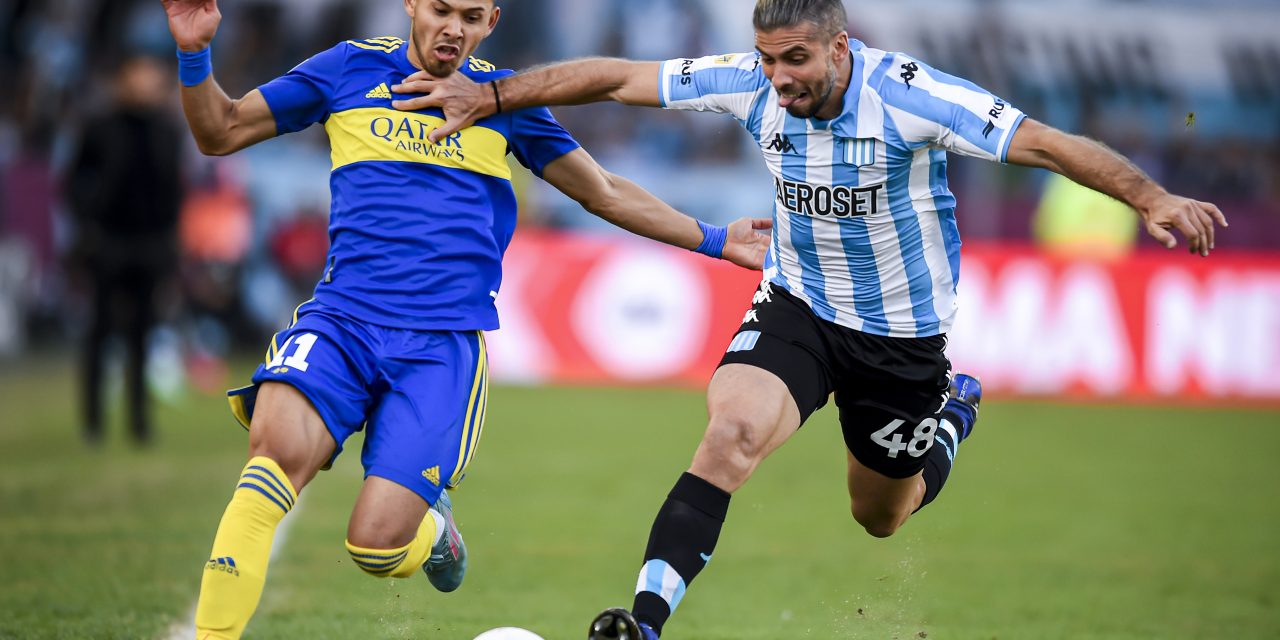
x=1077, y=222
x=124, y=190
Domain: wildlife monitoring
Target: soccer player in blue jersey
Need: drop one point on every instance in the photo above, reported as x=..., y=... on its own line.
x=393, y=337
x=860, y=280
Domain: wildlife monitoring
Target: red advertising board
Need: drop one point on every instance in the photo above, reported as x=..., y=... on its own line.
x=1156, y=326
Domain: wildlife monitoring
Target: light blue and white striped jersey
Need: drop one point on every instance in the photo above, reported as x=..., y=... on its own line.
x=864, y=224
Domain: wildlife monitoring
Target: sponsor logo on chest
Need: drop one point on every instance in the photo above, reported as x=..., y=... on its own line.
x=826, y=201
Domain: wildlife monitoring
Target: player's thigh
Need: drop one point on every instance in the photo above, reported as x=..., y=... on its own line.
x=426, y=428
x=781, y=336
x=890, y=394
x=310, y=393
x=386, y=515
x=773, y=376
x=751, y=411
x=287, y=429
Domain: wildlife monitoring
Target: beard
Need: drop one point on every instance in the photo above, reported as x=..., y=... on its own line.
x=436, y=67
x=821, y=101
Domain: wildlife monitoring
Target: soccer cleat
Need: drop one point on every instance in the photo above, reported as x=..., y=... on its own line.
x=619, y=624
x=447, y=564
x=964, y=397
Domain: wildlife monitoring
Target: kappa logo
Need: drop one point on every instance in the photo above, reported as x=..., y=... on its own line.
x=763, y=293
x=380, y=92
x=781, y=143
x=909, y=72
x=432, y=475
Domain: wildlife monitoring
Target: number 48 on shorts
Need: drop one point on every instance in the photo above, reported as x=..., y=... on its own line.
x=921, y=438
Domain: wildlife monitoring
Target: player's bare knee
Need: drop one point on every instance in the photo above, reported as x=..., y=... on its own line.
x=876, y=520
x=375, y=534
x=735, y=441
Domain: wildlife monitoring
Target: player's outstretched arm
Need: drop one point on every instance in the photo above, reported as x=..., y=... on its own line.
x=625, y=204
x=576, y=82
x=1095, y=166
x=219, y=124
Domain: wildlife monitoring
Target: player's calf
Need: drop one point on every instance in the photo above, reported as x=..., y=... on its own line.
x=959, y=416
x=237, y=567
x=880, y=520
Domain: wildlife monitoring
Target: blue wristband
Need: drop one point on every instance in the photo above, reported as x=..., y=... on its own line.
x=194, y=66
x=713, y=239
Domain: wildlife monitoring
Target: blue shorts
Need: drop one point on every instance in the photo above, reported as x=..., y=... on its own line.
x=421, y=393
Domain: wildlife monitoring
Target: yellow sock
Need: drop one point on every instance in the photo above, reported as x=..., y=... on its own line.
x=397, y=563
x=237, y=568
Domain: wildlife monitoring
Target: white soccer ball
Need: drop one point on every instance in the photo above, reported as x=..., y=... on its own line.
x=508, y=633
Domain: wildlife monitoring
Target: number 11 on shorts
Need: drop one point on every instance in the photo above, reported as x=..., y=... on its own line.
x=298, y=360
x=921, y=438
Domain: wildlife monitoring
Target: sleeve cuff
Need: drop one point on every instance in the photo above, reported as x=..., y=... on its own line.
x=1008, y=138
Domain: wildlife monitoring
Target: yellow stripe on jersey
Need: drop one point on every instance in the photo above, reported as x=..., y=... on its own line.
x=272, y=348
x=476, y=64
x=385, y=44
x=297, y=309
x=475, y=412
x=378, y=134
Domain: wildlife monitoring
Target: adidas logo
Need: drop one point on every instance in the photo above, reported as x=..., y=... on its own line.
x=380, y=92
x=432, y=474
x=226, y=564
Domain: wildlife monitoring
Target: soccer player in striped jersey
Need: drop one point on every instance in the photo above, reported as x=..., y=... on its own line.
x=860, y=280
x=393, y=338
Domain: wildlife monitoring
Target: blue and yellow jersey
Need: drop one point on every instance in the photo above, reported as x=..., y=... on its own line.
x=416, y=231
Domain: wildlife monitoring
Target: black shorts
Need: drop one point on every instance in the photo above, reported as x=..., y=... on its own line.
x=890, y=391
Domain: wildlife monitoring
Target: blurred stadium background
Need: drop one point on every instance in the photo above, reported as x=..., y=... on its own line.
x=1125, y=485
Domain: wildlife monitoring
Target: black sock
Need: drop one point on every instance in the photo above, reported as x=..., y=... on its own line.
x=682, y=540
x=937, y=464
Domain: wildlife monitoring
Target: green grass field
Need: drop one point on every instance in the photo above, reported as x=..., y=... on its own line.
x=1059, y=522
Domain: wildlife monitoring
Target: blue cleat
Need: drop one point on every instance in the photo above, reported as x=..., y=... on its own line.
x=447, y=564
x=962, y=401
x=619, y=624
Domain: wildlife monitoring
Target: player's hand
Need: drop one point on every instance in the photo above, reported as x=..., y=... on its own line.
x=1194, y=219
x=744, y=245
x=462, y=100
x=192, y=22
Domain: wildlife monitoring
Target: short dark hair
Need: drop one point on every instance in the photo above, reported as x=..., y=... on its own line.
x=827, y=15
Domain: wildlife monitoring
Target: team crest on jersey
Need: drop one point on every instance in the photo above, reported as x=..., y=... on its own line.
x=860, y=152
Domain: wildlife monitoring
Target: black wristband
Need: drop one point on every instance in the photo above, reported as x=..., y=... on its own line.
x=497, y=100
